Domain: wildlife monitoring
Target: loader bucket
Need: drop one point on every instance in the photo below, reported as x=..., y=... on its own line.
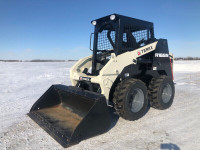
x=70, y=114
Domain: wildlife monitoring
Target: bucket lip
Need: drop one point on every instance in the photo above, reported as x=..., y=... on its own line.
x=63, y=141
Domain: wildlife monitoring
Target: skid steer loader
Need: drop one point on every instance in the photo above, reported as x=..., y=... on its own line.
x=129, y=68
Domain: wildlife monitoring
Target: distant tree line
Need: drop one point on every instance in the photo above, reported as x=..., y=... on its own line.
x=41, y=60
x=36, y=60
x=187, y=58
x=11, y=60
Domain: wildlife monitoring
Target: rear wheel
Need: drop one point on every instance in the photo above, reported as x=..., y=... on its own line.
x=130, y=99
x=161, y=92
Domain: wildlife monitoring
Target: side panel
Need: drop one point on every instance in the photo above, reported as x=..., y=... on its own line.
x=111, y=70
x=161, y=58
x=115, y=66
x=158, y=63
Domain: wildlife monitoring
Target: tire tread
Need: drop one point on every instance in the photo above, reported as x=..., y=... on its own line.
x=120, y=93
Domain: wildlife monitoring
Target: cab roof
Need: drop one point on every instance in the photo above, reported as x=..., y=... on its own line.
x=137, y=23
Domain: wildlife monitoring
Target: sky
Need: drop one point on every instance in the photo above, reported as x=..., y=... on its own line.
x=60, y=29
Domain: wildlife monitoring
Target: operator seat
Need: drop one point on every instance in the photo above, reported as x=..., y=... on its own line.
x=131, y=43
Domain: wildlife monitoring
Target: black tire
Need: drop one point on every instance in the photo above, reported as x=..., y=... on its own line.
x=158, y=97
x=127, y=93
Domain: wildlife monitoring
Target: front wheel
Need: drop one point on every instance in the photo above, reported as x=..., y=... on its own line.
x=130, y=99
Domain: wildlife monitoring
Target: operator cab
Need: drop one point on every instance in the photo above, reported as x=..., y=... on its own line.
x=118, y=34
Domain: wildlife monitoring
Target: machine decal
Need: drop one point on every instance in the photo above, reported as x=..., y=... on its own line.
x=84, y=78
x=143, y=51
x=161, y=55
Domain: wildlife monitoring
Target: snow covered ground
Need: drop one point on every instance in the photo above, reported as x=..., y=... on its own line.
x=22, y=83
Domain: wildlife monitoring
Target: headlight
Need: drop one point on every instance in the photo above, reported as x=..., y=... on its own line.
x=94, y=23
x=112, y=17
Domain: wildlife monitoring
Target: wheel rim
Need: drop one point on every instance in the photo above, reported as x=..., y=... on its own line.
x=167, y=93
x=136, y=100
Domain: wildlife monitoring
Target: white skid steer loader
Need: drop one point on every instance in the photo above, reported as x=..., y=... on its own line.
x=129, y=68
